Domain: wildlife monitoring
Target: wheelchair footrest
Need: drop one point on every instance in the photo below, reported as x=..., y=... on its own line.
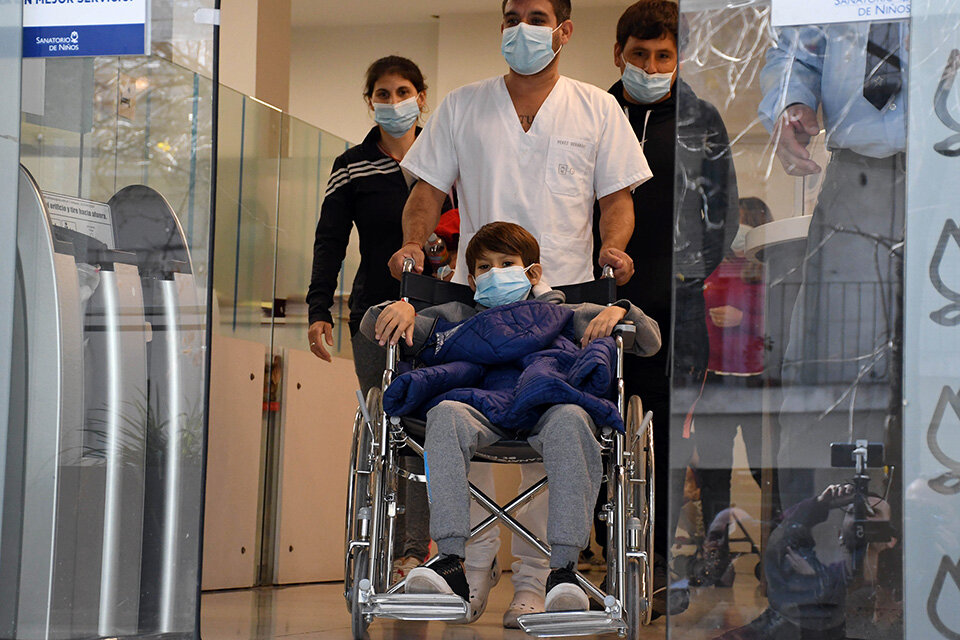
x=417, y=606
x=572, y=623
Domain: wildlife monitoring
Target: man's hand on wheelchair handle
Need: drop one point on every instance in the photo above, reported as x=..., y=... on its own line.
x=410, y=250
x=622, y=263
x=603, y=324
x=396, y=321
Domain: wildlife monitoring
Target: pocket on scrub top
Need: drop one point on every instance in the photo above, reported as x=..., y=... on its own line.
x=566, y=259
x=569, y=165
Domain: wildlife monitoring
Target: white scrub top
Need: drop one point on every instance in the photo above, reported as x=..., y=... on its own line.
x=580, y=148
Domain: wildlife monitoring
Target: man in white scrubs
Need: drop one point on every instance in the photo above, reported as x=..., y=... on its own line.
x=538, y=149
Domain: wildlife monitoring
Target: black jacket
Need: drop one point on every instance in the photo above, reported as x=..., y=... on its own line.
x=366, y=189
x=686, y=215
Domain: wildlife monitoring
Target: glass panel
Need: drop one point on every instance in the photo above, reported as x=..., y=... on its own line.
x=931, y=449
x=10, y=29
x=273, y=172
x=245, y=262
x=302, y=184
x=249, y=173
x=176, y=34
x=112, y=251
x=787, y=353
x=305, y=170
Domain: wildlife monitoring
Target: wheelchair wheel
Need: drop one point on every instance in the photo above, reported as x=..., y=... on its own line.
x=640, y=517
x=635, y=612
x=358, y=622
x=358, y=501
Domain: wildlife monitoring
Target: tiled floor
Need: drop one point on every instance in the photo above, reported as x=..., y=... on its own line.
x=314, y=612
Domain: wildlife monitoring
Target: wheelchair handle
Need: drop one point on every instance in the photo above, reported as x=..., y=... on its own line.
x=363, y=408
x=408, y=264
x=607, y=271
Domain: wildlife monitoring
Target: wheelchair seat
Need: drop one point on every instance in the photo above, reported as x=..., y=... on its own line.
x=505, y=451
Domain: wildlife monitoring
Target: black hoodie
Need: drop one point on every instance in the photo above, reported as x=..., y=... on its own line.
x=680, y=238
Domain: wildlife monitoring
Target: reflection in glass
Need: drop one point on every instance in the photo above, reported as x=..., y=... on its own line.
x=797, y=426
x=272, y=172
x=112, y=267
x=10, y=65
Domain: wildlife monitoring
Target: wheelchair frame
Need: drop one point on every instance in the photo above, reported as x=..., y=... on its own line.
x=372, y=508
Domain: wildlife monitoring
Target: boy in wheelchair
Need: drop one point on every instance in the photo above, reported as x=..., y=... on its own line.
x=504, y=271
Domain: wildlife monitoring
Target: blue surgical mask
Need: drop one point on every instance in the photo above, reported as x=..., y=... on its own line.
x=645, y=88
x=397, y=119
x=528, y=49
x=502, y=285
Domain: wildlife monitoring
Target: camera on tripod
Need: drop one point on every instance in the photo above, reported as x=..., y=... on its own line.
x=863, y=529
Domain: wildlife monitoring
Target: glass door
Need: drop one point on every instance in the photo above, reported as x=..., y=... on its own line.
x=105, y=463
x=10, y=27
x=785, y=426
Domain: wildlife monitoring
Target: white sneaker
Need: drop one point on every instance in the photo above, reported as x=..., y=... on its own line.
x=524, y=602
x=481, y=581
x=402, y=567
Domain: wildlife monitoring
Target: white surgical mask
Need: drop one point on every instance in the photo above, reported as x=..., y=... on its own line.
x=528, y=49
x=397, y=119
x=645, y=88
x=739, y=244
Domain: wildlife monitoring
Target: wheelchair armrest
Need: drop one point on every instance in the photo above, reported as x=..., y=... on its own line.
x=628, y=331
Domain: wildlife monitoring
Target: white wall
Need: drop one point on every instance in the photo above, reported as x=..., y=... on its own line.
x=327, y=67
x=327, y=64
x=470, y=48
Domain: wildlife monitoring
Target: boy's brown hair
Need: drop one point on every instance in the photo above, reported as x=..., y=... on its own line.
x=502, y=237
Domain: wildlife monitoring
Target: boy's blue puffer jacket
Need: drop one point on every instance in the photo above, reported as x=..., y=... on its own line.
x=511, y=363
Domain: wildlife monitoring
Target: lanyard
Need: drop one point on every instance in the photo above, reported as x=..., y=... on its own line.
x=646, y=120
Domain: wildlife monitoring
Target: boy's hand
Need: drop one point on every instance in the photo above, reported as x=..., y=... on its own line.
x=603, y=325
x=396, y=321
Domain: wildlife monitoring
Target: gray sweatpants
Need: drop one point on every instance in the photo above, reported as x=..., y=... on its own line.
x=564, y=437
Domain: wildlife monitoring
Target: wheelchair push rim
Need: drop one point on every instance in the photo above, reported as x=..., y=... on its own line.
x=358, y=496
x=641, y=510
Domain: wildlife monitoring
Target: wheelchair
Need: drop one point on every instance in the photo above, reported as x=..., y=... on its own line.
x=372, y=508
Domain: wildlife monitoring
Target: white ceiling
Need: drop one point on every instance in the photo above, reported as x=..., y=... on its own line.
x=329, y=13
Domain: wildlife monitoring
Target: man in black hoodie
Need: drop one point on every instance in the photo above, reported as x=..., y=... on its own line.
x=680, y=236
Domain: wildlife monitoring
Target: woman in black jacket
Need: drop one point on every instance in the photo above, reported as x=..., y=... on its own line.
x=367, y=189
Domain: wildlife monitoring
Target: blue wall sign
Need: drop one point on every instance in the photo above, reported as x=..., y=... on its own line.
x=57, y=28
